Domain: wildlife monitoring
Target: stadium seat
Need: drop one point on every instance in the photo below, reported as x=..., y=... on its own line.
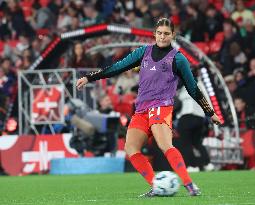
x=128, y=98
x=219, y=36
x=203, y=46
x=13, y=43
x=125, y=105
x=217, y=3
x=110, y=89
x=114, y=97
x=115, y=100
x=125, y=108
x=215, y=46
x=1, y=47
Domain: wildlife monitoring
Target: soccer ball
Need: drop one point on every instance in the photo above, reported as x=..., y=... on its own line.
x=165, y=183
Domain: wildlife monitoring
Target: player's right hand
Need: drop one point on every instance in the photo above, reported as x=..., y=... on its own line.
x=81, y=82
x=216, y=120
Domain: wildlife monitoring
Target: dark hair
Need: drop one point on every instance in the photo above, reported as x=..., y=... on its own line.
x=165, y=22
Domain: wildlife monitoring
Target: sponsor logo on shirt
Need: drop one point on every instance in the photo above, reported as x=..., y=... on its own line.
x=145, y=64
x=153, y=68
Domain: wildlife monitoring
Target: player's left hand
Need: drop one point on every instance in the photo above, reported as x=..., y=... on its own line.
x=216, y=120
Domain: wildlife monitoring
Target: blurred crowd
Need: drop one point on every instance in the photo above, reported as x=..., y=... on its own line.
x=223, y=29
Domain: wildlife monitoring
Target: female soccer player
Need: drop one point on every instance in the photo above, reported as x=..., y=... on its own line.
x=161, y=67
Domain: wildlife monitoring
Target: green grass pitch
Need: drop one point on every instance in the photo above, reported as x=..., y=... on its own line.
x=218, y=188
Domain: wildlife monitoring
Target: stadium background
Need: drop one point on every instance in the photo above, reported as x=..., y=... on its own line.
x=30, y=33
x=47, y=128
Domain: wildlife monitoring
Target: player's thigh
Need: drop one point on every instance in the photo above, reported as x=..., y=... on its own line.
x=163, y=135
x=135, y=139
x=160, y=122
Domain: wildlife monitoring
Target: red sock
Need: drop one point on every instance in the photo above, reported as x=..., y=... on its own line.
x=176, y=161
x=143, y=166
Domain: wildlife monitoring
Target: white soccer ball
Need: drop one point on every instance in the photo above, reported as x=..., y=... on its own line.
x=165, y=183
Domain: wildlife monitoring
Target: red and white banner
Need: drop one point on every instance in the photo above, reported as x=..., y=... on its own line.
x=47, y=104
x=22, y=155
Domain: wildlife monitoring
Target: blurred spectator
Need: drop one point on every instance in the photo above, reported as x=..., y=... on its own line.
x=176, y=16
x=237, y=57
x=77, y=5
x=27, y=59
x=156, y=11
x=79, y=59
x=55, y=6
x=214, y=20
x=5, y=27
x=231, y=84
x=43, y=17
x=128, y=4
x=7, y=77
x=142, y=11
x=195, y=24
x=246, y=119
x=230, y=35
x=22, y=45
x=117, y=17
x=69, y=17
x=202, y=5
x=36, y=47
x=191, y=127
x=17, y=19
x=92, y=16
x=240, y=77
x=248, y=38
x=126, y=82
x=105, y=7
x=14, y=48
x=249, y=87
x=45, y=40
x=105, y=104
x=229, y=6
x=251, y=72
x=133, y=20
x=243, y=112
x=75, y=24
x=26, y=6
x=64, y=20
x=241, y=14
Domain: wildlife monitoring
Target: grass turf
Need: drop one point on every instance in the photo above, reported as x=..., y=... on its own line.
x=218, y=188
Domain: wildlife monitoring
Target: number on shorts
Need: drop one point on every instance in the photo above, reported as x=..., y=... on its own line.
x=152, y=112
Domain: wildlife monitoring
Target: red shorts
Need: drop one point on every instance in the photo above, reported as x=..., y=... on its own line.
x=144, y=121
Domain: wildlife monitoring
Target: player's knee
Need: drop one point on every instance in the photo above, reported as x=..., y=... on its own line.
x=130, y=149
x=164, y=147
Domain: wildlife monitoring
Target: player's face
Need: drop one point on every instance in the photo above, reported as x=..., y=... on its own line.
x=164, y=36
